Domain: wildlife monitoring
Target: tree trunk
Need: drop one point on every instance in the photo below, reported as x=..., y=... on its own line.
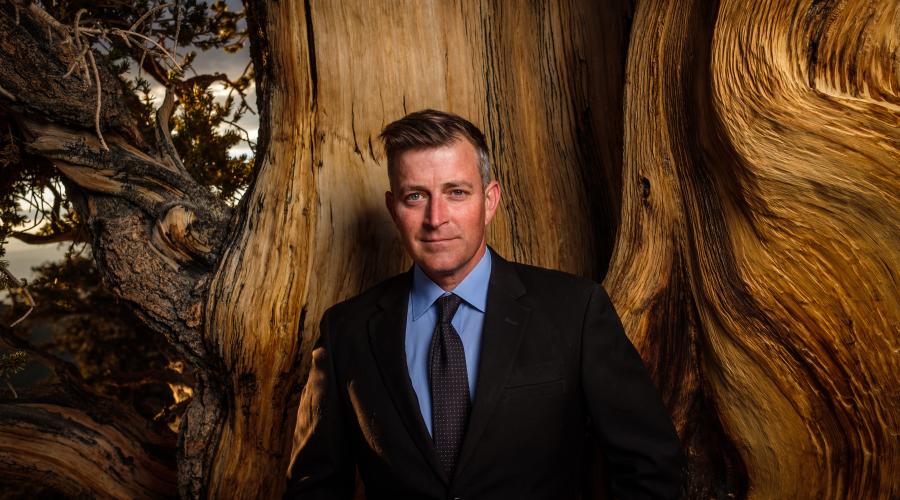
x=756, y=263
x=733, y=168
x=259, y=293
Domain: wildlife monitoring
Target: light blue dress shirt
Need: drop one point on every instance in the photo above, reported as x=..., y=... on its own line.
x=422, y=317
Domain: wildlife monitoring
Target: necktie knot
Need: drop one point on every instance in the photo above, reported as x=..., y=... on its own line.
x=447, y=306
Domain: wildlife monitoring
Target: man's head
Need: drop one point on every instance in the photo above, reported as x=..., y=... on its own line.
x=430, y=129
x=441, y=196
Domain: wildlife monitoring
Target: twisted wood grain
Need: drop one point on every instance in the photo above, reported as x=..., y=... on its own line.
x=757, y=262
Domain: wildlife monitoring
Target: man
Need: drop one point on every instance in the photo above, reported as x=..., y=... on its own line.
x=469, y=376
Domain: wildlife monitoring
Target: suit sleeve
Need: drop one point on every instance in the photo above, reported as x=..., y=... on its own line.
x=323, y=466
x=640, y=447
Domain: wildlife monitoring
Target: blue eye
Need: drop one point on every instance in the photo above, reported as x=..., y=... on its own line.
x=414, y=197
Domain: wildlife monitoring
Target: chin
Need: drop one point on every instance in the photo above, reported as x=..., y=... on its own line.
x=439, y=266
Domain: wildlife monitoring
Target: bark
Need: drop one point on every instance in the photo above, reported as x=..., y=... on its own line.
x=732, y=166
x=756, y=265
x=155, y=233
x=67, y=440
x=257, y=299
x=81, y=446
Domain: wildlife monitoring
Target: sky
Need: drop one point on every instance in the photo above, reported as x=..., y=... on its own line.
x=22, y=257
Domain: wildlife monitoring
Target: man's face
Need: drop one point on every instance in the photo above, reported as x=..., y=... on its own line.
x=441, y=209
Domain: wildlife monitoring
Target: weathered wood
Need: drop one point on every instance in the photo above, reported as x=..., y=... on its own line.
x=65, y=439
x=259, y=292
x=737, y=161
x=155, y=232
x=818, y=247
x=756, y=264
x=36, y=60
x=80, y=446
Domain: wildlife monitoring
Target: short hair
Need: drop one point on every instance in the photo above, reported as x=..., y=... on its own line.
x=429, y=128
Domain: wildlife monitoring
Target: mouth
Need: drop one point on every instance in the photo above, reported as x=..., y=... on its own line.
x=436, y=240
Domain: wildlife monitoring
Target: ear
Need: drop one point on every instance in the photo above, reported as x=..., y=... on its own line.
x=389, y=203
x=491, y=201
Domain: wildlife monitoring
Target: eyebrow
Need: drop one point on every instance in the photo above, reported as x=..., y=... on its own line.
x=446, y=185
x=456, y=184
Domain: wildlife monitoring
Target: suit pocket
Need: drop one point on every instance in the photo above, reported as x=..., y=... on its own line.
x=538, y=390
x=536, y=380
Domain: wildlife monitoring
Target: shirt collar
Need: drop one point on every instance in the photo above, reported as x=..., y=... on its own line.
x=472, y=289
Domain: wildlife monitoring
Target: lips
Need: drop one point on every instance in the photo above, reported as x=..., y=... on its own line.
x=436, y=240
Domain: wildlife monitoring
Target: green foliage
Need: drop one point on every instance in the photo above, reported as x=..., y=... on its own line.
x=203, y=147
x=30, y=183
x=12, y=363
x=228, y=34
x=146, y=108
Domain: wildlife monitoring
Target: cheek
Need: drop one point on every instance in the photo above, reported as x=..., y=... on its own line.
x=408, y=222
x=475, y=218
x=407, y=227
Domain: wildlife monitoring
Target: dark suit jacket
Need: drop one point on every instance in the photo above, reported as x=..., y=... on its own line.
x=555, y=364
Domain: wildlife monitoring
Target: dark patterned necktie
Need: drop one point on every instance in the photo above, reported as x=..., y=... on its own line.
x=449, y=385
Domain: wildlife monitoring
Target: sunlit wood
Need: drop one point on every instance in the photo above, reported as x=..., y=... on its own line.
x=728, y=169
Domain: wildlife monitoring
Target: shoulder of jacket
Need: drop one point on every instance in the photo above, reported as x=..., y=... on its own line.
x=534, y=277
x=368, y=298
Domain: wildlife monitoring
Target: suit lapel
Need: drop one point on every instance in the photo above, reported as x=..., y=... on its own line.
x=387, y=331
x=504, y=324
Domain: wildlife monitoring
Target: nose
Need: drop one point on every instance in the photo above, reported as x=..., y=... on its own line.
x=436, y=214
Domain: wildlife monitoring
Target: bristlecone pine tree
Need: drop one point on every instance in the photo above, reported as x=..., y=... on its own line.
x=728, y=169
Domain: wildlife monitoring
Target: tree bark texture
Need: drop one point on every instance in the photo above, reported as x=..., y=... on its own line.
x=756, y=262
x=259, y=293
x=729, y=169
x=156, y=233
x=82, y=447
x=64, y=439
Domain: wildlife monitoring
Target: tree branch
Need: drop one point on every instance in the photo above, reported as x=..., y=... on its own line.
x=99, y=100
x=83, y=446
x=14, y=281
x=43, y=239
x=163, y=137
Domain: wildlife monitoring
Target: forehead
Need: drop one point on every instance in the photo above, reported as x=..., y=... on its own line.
x=455, y=161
